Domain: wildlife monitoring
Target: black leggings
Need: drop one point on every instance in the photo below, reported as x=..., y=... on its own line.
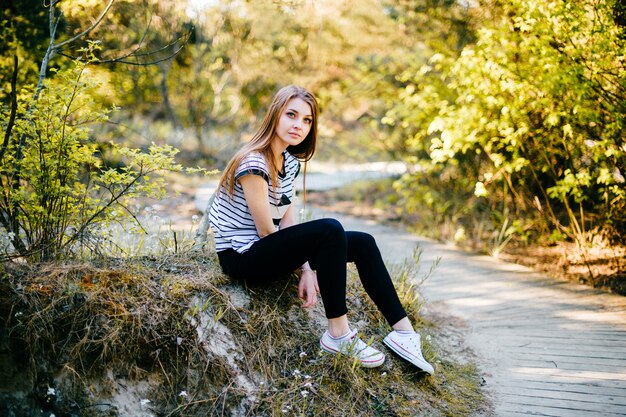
x=327, y=247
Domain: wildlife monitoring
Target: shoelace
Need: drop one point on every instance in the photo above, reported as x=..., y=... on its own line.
x=415, y=341
x=356, y=346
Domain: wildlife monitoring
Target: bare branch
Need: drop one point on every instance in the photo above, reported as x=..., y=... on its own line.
x=123, y=59
x=49, y=53
x=114, y=199
x=143, y=37
x=89, y=29
x=173, y=54
x=11, y=123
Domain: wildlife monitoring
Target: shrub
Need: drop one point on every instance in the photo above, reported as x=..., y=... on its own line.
x=57, y=190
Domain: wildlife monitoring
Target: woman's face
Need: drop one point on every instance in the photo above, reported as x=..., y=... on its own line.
x=294, y=123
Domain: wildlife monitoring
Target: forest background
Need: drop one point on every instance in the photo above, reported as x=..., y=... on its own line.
x=509, y=114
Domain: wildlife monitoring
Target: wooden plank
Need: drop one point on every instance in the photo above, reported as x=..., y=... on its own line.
x=618, y=370
x=552, y=338
x=509, y=413
x=550, y=403
x=586, y=397
x=576, y=376
x=563, y=379
x=618, y=393
x=556, y=328
x=571, y=358
x=508, y=409
x=592, y=317
x=563, y=328
x=564, y=348
x=554, y=319
x=571, y=352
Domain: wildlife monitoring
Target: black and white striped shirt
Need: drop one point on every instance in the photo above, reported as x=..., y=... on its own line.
x=230, y=217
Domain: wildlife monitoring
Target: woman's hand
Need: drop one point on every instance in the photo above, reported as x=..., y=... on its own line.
x=308, y=288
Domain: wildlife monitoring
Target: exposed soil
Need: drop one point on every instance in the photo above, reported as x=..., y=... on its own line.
x=600, y=269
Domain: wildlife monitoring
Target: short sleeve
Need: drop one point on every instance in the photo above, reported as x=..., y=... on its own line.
x=297, y=170
x=253, y=164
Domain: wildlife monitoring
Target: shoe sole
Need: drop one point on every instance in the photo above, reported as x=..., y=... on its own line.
x=421, y=364
x=364, y=363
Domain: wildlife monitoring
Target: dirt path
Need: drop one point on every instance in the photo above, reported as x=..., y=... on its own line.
x=546, y=347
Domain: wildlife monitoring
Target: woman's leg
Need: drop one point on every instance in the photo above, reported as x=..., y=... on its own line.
x=321, y=242
x=364, y=252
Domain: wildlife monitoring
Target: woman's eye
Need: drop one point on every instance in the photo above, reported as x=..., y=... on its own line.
x=290, y=114
x=309, y=121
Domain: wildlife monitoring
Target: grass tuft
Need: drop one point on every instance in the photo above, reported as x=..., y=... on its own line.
x=174, y=337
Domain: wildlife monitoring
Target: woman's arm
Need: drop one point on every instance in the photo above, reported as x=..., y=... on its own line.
x=255, y=189
x=308, y=287
x=289, y=218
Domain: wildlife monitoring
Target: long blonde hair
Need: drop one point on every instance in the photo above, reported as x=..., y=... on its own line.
x=262, y=139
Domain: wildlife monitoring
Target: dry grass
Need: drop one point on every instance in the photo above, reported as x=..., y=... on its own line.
x=178, y=325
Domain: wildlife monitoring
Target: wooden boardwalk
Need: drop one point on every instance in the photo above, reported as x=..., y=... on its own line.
x=546, y=347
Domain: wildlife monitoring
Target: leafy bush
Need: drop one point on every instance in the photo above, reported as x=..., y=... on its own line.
x=528, y=120
x=57, y=189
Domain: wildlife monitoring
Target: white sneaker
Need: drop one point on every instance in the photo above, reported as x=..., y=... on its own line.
x=352, y=345
x=409, y=346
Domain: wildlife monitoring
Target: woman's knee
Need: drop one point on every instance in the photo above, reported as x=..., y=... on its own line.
x=362, y=239
x=361, y=243
x=331, y=226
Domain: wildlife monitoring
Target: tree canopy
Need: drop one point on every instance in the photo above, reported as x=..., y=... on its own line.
x=511, y=108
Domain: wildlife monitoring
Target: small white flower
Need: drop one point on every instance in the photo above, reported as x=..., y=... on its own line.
x=144, y=402
x=51, y=391
x=302, y=354
x=179, y=341
x=183, y=394
x=307, y=376
x=304, y=393
x=295, y=373
x=195, y=218
x=428, y=338
x=307, y=385
x=383, y=374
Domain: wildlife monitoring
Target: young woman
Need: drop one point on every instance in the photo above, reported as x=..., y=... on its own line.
x=257, y=238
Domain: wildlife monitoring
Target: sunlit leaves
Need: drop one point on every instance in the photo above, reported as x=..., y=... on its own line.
x=536, y=106
x=55, y=186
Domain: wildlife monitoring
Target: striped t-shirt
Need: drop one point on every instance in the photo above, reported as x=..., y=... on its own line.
x=230, y=217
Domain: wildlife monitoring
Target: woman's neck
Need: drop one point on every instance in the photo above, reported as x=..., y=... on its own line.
x=277, y=151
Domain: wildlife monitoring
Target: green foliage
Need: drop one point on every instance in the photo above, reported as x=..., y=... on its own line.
x=529, y=117
x=56, y=187
x=23, y=33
